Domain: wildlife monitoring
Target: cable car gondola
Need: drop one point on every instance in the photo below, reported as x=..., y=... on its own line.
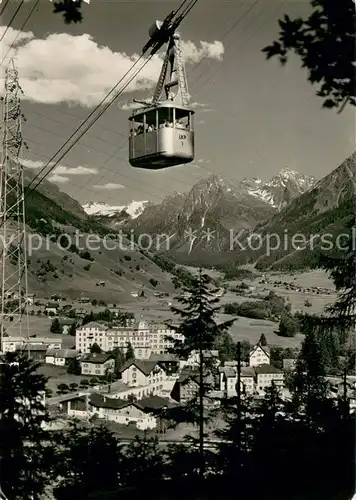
x=162, y=131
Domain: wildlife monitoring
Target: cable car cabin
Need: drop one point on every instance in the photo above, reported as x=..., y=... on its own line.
x=161, y=136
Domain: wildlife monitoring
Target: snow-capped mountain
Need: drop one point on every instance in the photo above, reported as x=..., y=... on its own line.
x=281, y=189
x=133, y=209
x=221, y=206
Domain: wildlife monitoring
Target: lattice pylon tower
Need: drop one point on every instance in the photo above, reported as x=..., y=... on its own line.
x=13, y=259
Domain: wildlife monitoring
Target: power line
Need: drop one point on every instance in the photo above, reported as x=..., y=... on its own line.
x=236, y=23
x=21, y=29
x=113, y=156
x=12, y=19
x=106, y=106
x=4, y=7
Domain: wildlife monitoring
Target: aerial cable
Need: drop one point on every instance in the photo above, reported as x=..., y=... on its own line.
x=12, y=19
x=4, y=7
x=21, y=29
x=90, y=115
x=106, y=106
x=89, y=125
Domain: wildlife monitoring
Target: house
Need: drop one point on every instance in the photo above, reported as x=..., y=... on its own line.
x=36, y=352
x=66, y=324
x=194, y=358
x=169, y=362
x=30, y=299
x=12, y=342
x=84, y=300
x=140, y=373
x=259, y=355
x=186, y=386
x=89, y=334
x=60, y=357
x=228, y=379
x=141, y=413
x=97, y=364
x=52, y=308
x=265, y=374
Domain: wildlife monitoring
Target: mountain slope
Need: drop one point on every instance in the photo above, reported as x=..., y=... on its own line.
x=200, y=221
x=317, y=216
x=114, y=216
x=75, y=271
x=282, y=188
x=52, y=192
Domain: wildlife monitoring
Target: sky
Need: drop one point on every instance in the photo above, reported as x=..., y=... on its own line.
x=253, y=117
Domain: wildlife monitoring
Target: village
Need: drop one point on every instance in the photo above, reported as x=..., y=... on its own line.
x=122, y=372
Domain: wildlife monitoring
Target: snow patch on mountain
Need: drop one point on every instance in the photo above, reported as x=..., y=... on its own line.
x=134, y=209
x=279, y=191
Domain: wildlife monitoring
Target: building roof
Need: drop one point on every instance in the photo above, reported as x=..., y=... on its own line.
x=163, y=358
x=62, y=353
x=96, y=358
x=94, y=324
x=101, y=401
x=33, y=347
x=265, y=349
x=146, y=405
x=145, y=366
x=52, y=305
x=155, y=403
x=266, y=369
x=231, y=371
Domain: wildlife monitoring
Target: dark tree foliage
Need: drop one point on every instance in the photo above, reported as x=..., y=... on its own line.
x=74, y=367
x=56, y=326
x=25, y=447
x=130, y=352
x=310, y=388
x=88, y=461
x=71, y=10
x=263, y=341
x=95, y=349
x=325, y=42
x=143, y=463
x=201, y=332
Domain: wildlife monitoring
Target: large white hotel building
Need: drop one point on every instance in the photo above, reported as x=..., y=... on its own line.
x=145, y=338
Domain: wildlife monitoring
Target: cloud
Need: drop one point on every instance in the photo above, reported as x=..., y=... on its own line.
x=201, y=107
x=63, y=170
x=33, y=164
x=58, y=179
x=77, y=70
x=130, y=105
x=60, y=173
x=110, y=186
x=211, y=50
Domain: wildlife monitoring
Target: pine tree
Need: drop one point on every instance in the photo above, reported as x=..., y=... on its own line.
x=74, y=367
x=130, y=352
x=72, y=330
x=88, y=461
x=95, y=349
x=56, y=326
x=25, y=447
x=143, y=463
x=263, y=340
x=309, y=385
x=200, y=332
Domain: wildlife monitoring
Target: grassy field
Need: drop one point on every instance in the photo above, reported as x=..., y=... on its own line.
x=58, y=375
